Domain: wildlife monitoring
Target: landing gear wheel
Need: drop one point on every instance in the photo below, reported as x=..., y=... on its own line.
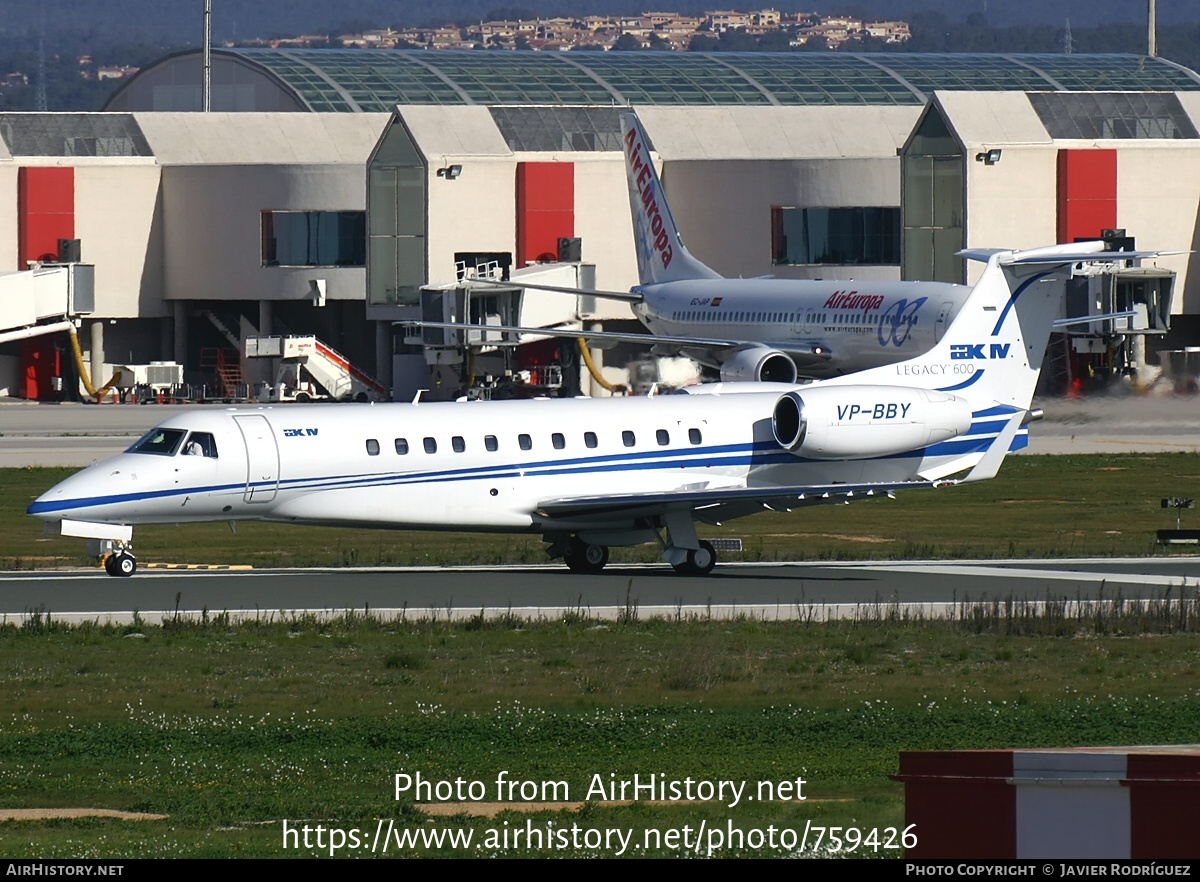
x=120, y=564
x=700, y=561
x=584, y=558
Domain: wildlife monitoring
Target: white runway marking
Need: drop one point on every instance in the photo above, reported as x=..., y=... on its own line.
x=1017, y=572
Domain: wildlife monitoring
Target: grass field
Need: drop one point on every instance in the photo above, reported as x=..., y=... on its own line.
x=229, y=730
x=1039, y=506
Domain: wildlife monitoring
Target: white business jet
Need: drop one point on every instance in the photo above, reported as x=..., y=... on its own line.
x=588, y=474
x=757, y=329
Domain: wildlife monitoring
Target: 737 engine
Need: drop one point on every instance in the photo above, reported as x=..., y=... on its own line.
x=859, y=422
x=758, y=364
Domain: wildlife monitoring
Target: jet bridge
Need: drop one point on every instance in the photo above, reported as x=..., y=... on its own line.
x=1111, y=348
x=43, y=300
x=483, y=363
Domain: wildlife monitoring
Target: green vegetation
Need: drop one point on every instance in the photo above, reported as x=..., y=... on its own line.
x=230, y=729
x=1039, y=506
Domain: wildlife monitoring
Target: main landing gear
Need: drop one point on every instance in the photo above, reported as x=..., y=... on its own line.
x=120, y=563
x=699, y=561
x=587, y=552
x=581, y=557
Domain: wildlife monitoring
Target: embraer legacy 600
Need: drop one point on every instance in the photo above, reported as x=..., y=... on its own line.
x=587, y=474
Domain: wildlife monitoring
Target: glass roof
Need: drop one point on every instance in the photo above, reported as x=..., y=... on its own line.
x=376, y=80
x=72, y=134
x=1112, y=115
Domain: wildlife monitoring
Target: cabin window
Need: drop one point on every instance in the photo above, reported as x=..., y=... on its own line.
x=694, y=436
x=372, y=447
x=201, y=444
x=164, y=442
x=663, y=437
x=490, y=443
x=627, y=438
x=589, y=439
x=402, y=446
x=430, y=445
x=558, y=440
x=458, y=443
x=525, y=442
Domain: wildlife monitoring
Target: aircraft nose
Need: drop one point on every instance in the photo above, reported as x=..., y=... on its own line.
x=69, y=497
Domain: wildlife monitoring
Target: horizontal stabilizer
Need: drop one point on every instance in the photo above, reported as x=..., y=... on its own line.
x=1074, y=252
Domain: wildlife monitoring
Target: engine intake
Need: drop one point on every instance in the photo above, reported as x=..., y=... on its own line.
x=860, y=422
x=758, y=364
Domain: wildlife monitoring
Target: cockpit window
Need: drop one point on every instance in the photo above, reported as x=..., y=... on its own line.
x=201, y=444
x=164, y=442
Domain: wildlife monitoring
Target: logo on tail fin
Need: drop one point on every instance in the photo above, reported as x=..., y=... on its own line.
x=643, y=178
x=661, y=256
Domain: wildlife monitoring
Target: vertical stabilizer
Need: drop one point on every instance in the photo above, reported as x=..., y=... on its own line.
x=992, y=352
x=660, y=253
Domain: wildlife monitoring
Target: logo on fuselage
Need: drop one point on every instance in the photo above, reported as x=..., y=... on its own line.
x=298, y=433
x=854, y=300
x=896, y=322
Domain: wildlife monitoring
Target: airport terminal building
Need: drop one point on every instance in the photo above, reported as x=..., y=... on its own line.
x=328, y=187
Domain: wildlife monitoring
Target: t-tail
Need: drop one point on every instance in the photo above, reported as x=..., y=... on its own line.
x=660, y=253
x=992, y=353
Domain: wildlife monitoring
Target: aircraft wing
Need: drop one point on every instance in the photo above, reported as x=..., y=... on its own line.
x=614, y=336
x=701, y=348
x=715, y=505
x=628, y=296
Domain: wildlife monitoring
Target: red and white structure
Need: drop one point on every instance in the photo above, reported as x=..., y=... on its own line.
x=1085, y=802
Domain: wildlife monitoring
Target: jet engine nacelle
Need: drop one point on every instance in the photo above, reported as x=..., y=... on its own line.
x=858, y=422
x=758, y=364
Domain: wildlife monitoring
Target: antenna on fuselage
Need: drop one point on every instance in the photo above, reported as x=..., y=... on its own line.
x=417, y=397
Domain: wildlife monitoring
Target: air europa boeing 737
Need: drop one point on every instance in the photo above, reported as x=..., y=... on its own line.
x=759, y=329
x=588, y=474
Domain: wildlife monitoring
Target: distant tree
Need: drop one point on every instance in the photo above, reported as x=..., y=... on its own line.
x=702, y=44
x=864, y=42
x=353, y=26
x=657, y=42
x=511, y=13
x=521, y=44
x=736, y=41
x=775, y=41
x=627, y=43
x=816, y=43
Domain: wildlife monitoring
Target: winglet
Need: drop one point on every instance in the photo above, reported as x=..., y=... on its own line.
x=987, y=467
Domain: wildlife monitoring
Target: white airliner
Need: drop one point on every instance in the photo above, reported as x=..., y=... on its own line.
x=588, y=474
x=759, y=329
